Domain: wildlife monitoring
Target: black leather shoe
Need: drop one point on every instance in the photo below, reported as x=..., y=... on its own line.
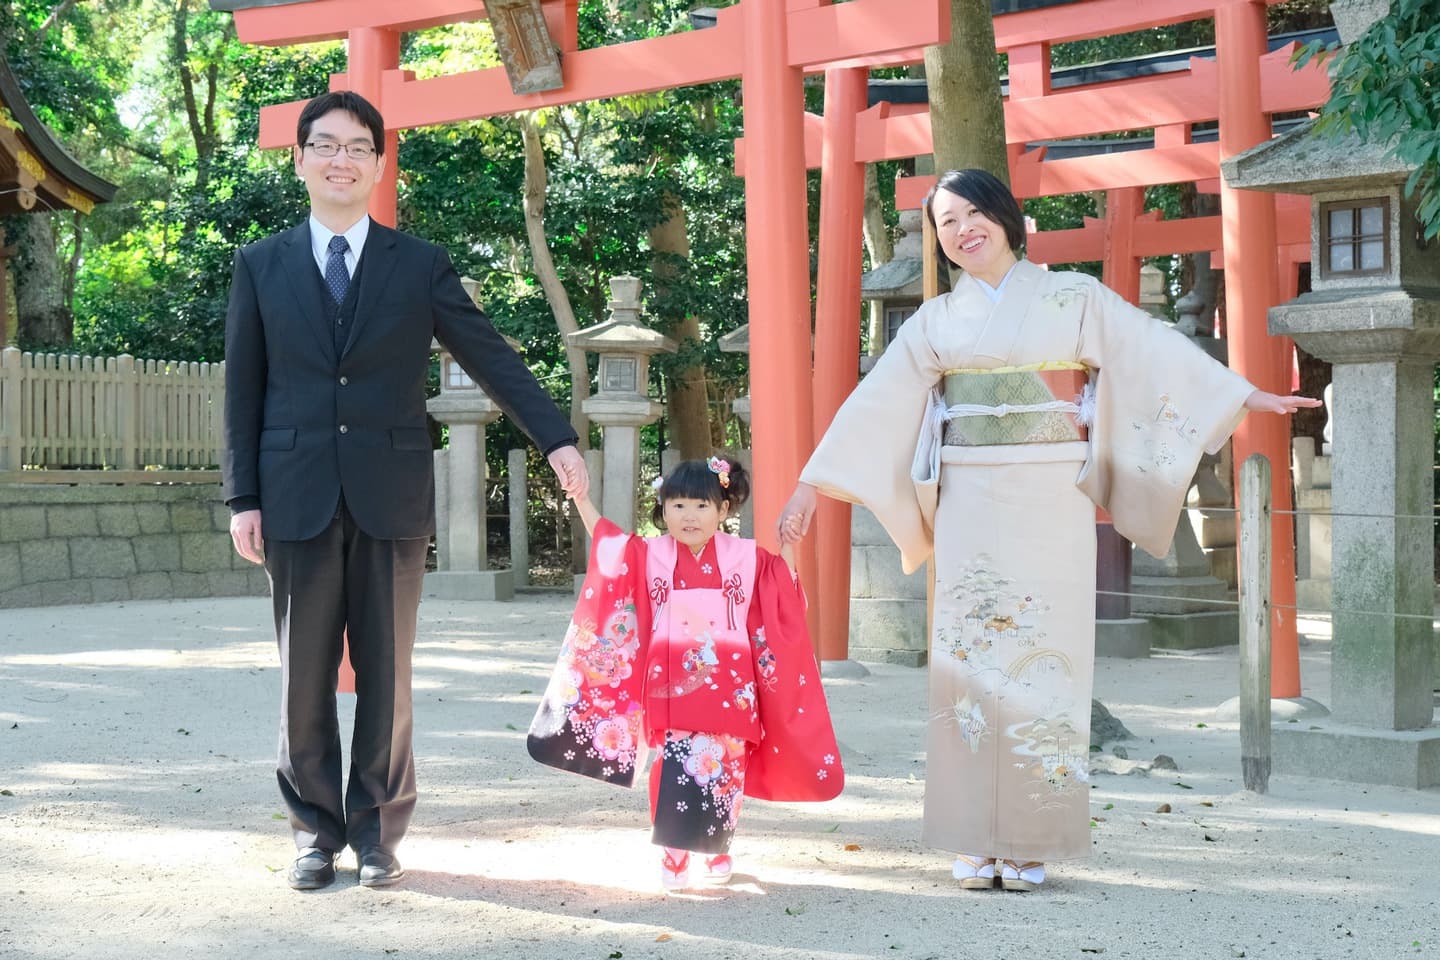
x=378, y=868
x=313, y=869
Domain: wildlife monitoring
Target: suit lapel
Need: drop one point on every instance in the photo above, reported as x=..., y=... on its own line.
x=299, y=261
x=379, y=264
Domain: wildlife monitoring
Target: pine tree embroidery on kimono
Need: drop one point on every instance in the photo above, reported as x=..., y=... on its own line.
x=1002, y=500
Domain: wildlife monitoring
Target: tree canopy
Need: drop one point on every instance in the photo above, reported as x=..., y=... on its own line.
x=1386, y=89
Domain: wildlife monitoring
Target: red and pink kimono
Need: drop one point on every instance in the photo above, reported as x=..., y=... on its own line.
x=708, y=659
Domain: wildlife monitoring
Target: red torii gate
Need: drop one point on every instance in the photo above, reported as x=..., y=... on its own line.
x=768, y=44
x=1241, y=89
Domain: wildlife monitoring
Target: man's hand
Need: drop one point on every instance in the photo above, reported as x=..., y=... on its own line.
x=569, y=466
x=245, y=534
x=1262, y=402
x=795, y=518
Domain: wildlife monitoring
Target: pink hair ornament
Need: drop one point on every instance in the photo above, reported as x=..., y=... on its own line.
x=720, y=468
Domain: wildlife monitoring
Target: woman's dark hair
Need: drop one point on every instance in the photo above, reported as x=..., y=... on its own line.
x=352, y=103
x=694, y=480
x=990, y=196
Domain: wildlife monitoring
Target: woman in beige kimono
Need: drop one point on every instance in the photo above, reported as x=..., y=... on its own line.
x=987, y=433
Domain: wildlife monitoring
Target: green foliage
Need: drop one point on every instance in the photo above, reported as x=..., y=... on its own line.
x=1385, y=88
x=71, y=89
x=158, y=288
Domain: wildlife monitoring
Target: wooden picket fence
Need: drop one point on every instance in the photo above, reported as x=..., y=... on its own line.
x=109, y=419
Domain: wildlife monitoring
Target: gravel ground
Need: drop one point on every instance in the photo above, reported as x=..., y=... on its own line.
x=139, y=818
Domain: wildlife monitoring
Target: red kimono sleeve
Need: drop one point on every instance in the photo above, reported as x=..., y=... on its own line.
x=591, y=719
x=797, y=757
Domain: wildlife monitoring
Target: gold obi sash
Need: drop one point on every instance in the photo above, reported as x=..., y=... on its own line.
x=1048, y=402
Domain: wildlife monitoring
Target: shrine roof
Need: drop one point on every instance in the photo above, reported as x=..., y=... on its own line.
x=34, y=167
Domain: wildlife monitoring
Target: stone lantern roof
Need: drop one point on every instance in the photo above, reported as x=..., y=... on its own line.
x=623, y=332
x=897, y=278
x=1304, y=162
x=736, y=341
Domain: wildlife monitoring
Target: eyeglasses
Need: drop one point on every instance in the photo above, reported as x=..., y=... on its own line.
x=329, y=148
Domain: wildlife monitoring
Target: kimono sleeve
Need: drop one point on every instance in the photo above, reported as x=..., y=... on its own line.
x=868, y=450
x=1161, y=403
x=591, y=719
x=797, y=757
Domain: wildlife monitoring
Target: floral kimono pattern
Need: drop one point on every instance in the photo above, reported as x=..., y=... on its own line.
x=708, y=659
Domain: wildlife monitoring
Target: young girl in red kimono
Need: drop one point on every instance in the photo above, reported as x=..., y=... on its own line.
x=695, y=643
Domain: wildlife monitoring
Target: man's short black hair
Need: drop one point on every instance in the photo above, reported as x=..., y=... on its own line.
x=990, y=196
x=352, y=103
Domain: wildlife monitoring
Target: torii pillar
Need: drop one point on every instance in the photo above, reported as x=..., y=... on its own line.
x=372, y=51
x=777, y=245
x=1251, y=288
x=837, y=336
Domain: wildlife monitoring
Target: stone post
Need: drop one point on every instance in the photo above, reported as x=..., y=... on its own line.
x=461, y=553
x=1384, y=413
x=515, y=464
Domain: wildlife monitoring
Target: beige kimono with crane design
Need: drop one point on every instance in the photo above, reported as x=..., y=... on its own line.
x=987, y=434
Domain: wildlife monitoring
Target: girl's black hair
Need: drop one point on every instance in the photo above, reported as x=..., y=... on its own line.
x=694, y=480
x=990, y=196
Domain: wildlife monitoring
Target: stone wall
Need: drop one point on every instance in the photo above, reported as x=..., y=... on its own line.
x=887, y=608
x=90, y=543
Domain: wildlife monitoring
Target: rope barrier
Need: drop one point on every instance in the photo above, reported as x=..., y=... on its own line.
x=1330, y=513
x=1274, y=606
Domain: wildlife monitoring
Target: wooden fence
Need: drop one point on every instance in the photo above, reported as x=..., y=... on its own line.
x=118, y=415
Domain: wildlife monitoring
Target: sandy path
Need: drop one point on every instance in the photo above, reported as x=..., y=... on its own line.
x=137, y=743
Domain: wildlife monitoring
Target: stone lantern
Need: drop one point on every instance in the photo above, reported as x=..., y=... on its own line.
x=460, y=522
x=1374, y=314
x=895, y=288
x=738, y=341
x=620, y=404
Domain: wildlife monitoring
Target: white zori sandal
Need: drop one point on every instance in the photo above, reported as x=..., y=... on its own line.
x=1023, y=877
x=675, y=869
x=974, y=873
x=718, y=869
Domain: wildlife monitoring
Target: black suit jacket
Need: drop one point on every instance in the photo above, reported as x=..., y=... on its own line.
x=305, y=421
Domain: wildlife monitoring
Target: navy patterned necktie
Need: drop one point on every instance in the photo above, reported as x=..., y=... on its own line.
x=337, y=278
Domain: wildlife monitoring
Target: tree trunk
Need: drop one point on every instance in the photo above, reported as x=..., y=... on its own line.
x=687, y=399
x=45, y=319
x=200, y=119
x=60, y=10
x=967, y=119
x=881, y=250
x=877, y=233
x=72, y=269
x=536, y=179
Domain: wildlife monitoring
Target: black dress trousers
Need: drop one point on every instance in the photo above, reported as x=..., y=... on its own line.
x=346, y=579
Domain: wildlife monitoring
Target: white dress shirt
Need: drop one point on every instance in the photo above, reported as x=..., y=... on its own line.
x=320, y=242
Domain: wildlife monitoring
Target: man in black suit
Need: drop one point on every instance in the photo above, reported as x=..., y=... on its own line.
x=328, y=473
